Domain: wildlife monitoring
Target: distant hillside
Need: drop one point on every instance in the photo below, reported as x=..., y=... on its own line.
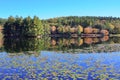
x=110, y=23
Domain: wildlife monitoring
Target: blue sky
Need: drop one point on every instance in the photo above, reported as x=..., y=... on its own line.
x=56, y=8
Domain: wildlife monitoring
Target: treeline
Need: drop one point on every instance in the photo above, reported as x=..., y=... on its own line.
x=18, y=26
x=112, y=24
x=2, y=21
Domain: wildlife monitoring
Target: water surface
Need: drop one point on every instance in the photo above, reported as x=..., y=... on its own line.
x=60, y=58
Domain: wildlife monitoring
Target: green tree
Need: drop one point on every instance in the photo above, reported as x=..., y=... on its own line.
x=26, y=26
x=38, y=28
x=9, y=26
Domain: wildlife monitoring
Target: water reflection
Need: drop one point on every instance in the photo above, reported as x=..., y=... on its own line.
x=47, y=65
x=17, y=45
x=77, y=41
x=71, y=45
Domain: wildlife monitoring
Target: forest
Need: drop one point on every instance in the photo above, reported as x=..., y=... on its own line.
x=19, y=26
x=112, y=24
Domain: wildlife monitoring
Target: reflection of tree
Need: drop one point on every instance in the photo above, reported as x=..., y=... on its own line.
x=1, y=40
x=35, y=45
x=69, y=44
x=77, y=41
x=114, y=40
x=18, y=45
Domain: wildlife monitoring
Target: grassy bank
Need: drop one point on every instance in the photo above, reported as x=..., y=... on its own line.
x=114, y=35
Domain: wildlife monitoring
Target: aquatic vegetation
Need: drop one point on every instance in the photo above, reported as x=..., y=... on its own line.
x=26, y=59
x=58, y=67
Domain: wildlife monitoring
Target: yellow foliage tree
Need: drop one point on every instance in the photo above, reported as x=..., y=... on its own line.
x=111, y=26
x=80, y=29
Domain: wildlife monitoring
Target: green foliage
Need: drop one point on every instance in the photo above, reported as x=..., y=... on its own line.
x=37, y=28
x=23, y=27
x=28, y=26
x=2, y=21
x=110, y=23
x=9, y=26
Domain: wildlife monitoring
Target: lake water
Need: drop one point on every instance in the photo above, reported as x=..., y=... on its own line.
x=60, y=59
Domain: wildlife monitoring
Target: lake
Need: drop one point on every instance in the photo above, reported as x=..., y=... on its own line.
x=60, y=58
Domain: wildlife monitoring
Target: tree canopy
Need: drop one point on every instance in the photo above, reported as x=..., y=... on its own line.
x=110, y=23
x=18, y=26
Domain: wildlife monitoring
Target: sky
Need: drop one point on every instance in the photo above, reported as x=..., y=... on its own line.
x=45, y=9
